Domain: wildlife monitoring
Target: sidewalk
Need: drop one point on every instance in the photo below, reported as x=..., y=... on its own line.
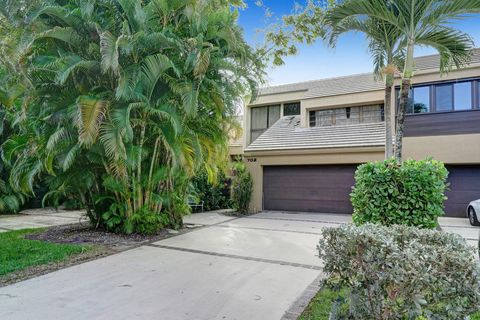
x=40, y=218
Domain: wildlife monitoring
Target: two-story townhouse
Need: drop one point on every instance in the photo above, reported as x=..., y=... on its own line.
x=303, y=141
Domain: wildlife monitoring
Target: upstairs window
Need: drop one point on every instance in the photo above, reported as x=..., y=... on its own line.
x=442, y=97
x=463, y=95
x=263, y=118
x=346, y=116
x=420, y=102
x=291, y=109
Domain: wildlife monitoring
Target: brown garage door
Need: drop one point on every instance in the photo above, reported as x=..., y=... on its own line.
x=308, y=188
x=464, y=187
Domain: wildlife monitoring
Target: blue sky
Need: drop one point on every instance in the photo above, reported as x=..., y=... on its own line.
x=318, y=61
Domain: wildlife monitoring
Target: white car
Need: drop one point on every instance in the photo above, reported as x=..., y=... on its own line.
x=473, y=212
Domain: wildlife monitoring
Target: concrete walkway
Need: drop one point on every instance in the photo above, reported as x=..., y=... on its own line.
x=40, y=218
x=259, y=267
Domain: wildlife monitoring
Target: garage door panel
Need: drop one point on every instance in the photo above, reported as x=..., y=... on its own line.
x=299, y=193
x=311, y=206
x=464, y=187
x=309, y=188
x=308, y=180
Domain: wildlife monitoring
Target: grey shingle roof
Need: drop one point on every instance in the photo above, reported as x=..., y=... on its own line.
x=344, y=85
x=286, y=134
x=353, y=83
x=433, y=61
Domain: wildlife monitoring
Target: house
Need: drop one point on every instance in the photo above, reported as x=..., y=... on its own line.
x=302, y=142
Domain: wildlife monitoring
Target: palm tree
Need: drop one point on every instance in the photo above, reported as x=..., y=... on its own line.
x=130, y=99
x=421, y=23
x=384, y=46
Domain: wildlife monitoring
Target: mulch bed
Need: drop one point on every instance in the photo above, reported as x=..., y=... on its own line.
x=82, y=233
x=104, y=244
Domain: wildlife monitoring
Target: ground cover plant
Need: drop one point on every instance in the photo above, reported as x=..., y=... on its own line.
x=124, y=102
x=18, y=253
x=402, y=272
x=410, y=193
x=331, y=304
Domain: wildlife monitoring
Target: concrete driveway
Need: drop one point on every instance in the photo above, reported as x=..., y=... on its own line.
x=259, y=267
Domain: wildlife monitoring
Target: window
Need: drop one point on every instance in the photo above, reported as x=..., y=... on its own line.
x=463, y=95
x=291, y=109
x=263, y=118
x=421, y=100
x=444, y=97
x=346, y=116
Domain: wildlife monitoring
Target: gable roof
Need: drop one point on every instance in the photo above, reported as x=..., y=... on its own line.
x=286, y=134
x=353, y=83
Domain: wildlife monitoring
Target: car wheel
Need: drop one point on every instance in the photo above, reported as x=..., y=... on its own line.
x=472, y=216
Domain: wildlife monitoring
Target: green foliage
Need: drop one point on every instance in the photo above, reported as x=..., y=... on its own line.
x=19, y=253
x=215, y=195
x=10, y=200
x=411, y=193
x=328, y=304
x=124, y=102
x=401, y=272
x=332, y=304
x=242, y=188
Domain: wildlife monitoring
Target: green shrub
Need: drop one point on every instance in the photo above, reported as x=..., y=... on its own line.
x=242, y=188
x=214, y=195
x=411, y=193
x=402, y=272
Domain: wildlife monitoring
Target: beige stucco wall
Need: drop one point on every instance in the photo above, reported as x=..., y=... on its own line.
x=453, y=149
x=256, y=161
x=235, y=150
x=278, y=98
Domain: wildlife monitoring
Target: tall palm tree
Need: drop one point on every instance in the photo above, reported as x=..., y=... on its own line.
x=421, y=23
x=387, y=54
x=130, y=98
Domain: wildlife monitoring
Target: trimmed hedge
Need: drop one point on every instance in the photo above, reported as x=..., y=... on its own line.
x=411, y=193
x=401, y=272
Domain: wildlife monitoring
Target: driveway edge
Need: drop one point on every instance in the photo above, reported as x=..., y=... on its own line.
x=297, y=308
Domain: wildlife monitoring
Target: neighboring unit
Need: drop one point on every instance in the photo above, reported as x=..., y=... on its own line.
x=303, y=142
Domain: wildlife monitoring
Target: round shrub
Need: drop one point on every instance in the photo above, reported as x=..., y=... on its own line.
x=410, y=193
x=401, y=272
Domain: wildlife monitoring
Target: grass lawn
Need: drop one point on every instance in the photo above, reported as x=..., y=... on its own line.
x=320, y=306
x=18, y=253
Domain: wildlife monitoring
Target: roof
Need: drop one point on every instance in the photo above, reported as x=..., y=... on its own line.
x=330, y=86
x=433, y=61
x=353, y=83
x=286, y=134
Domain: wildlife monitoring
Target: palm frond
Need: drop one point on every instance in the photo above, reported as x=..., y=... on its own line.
x=91, y=113
x=65, y=34
x=152, y=70
x=109, y=52
x=453, y=46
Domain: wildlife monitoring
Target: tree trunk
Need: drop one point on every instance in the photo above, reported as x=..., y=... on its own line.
x=388, y=121
x=404, y=93
x=404, y=97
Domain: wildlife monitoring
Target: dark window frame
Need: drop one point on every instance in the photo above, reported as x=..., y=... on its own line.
x=296, y=104
x=475, y=99
x=268, y=107
x=312, y=117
